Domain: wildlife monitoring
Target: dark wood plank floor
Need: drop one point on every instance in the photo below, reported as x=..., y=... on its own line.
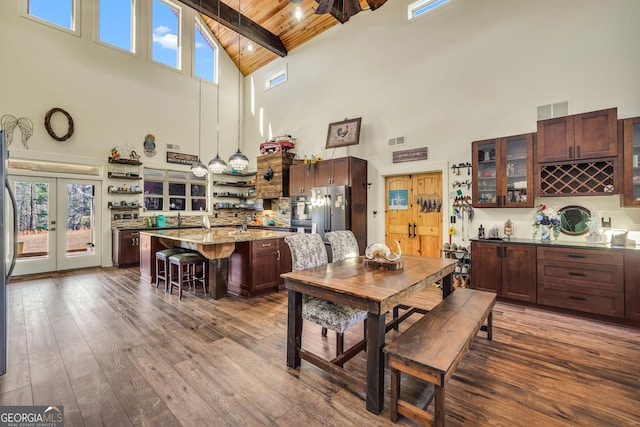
x=115, y=351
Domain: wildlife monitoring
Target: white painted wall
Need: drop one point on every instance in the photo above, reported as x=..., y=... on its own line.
x=115, y=98
x=473, y=70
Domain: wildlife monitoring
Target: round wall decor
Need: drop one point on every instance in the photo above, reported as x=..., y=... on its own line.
x=47, y=124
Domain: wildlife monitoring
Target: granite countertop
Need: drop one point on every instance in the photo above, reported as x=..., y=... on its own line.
x=216, y=235
x=558, y=243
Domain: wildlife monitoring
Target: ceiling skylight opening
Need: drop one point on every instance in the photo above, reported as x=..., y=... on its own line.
x=422, y=7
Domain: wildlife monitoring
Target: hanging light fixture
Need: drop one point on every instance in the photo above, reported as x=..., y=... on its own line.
x=198, y=168
x=239, y=161
x=217, y=165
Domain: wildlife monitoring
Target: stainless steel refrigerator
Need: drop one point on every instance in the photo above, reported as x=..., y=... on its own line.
x=8, y=249
x=330, y=209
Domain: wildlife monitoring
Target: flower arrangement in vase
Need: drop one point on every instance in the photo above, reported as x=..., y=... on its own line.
x=310, y=162
x=546, y=221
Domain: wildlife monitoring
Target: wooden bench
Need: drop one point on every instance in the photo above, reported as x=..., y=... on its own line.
x=432, y=347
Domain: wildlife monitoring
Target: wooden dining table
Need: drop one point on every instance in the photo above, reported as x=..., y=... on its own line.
x=377, y=291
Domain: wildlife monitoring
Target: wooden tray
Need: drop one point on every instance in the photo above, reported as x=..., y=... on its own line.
x=382, y=265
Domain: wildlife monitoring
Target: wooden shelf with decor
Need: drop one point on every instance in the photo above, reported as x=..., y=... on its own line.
x=227, y=187
x=124, y=170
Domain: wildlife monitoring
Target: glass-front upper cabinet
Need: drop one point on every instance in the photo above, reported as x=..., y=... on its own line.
x=503, y=172
x=631, y=169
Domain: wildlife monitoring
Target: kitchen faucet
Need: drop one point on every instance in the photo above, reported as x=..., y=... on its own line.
x=179, y=220
x=244, y=221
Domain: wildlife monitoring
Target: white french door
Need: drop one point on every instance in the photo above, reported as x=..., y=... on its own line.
x=58, y=223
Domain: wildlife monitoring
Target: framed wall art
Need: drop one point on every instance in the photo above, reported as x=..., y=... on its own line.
x=346, y=132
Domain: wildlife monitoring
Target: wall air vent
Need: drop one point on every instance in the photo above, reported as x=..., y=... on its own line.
x=549, y=111
x=398, y=140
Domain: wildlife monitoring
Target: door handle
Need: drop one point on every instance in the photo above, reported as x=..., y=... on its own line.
x=278, y=255
x=409, y=230
x=504, y=251
x=414, y=230
x=498, y=251
x=15, y=231
x=578, y=151
x=570, y=152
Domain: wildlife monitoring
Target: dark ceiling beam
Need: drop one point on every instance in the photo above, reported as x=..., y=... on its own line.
x=248, y=28
x=374, y=4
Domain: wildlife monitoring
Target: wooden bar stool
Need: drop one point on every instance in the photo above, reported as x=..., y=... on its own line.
x=187, y=271
x=161, y=259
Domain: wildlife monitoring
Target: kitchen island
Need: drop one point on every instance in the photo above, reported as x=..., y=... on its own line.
x=216, y=244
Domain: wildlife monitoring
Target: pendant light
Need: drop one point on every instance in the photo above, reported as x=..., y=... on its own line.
x=198, y=168
x=217, y=165
x=239, y=161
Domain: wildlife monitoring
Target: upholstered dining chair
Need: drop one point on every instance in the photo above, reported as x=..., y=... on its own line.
x=308, y=251
x=343, y=244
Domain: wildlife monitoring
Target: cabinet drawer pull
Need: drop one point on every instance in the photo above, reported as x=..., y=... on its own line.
x=266, y=245
x=278, y=255
x=577, y=298
x=576, y=256
x=571, y=273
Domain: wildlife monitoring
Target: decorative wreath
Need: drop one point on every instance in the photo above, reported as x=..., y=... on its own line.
x=47, y=124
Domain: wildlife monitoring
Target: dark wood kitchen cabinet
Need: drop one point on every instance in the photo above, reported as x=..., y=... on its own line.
x=631, y=165
x=632, y=284
x=503, y=169
x=584, y=136
x=255, y=267
x=301, y=179
x=125, y=247
x=587, y=280
x=505, y=268
x=335, y=171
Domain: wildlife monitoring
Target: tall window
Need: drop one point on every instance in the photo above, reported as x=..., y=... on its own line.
x=61, y=13
x=421, y=7
x=117, y=23
x=204, y=52
x=174, y=191
x=166, y=33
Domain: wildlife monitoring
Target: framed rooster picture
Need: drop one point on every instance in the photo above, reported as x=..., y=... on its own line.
x=346, y=132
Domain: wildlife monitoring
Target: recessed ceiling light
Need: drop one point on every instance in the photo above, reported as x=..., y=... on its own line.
x=250, y=48
x=298, y=13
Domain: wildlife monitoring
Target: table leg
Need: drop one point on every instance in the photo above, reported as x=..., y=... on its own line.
x=447, y=285
x=375, y=362
x=294, y=329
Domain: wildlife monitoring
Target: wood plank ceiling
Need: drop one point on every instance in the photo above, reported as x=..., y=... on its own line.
x=270, y=27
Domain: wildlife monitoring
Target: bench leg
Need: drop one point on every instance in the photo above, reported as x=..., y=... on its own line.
x=395, y=394
x=439, y=406
x=490, y=326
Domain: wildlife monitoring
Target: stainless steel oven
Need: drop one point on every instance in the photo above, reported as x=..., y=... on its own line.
x=301, y=211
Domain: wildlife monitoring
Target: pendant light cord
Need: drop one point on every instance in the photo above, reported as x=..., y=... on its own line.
x=218, y=98
x=239, y=69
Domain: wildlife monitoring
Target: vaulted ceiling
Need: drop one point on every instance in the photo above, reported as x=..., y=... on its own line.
x=270, y=28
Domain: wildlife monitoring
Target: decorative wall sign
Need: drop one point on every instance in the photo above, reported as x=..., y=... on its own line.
x=346, y=132
x=410, y=155
x=399, y=200
x=181, y=158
